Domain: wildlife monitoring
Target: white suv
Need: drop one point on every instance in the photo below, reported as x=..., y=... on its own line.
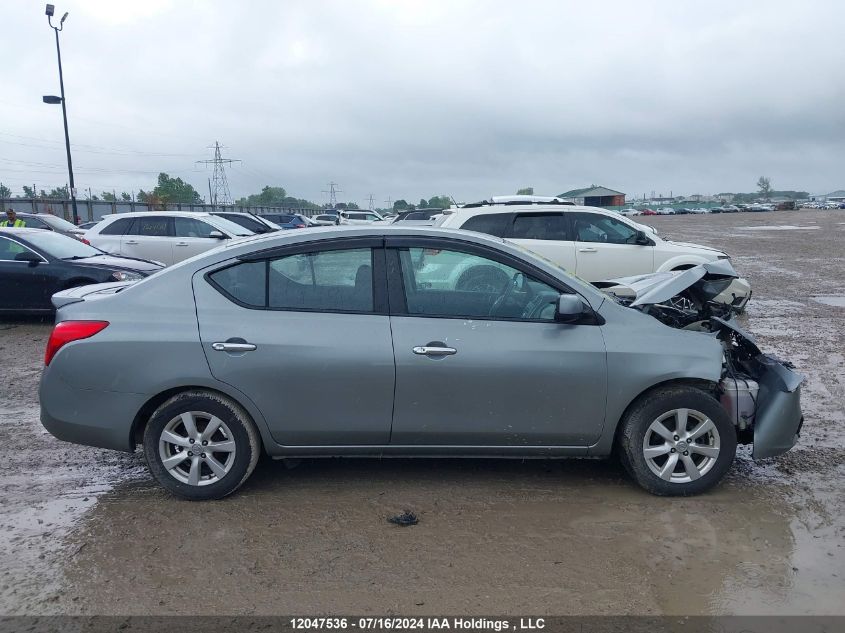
x=163, y=236
x=593, y=243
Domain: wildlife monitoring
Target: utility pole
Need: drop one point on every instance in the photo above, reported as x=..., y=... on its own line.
x=218, y=189
x=332, y=193
x=372, y=202
x=54, y=100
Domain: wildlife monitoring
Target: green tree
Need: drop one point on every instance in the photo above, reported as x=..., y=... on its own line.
x=423, y=203
x=765, y=187
x=142, y=196
x=275, y=197
x=5, y=192
x=400, y=205
x=56, y=193
x=439, y=202
x=29, y=192
x=108, y=196
x=525, y=191
x=175, y=190
x=125, y=197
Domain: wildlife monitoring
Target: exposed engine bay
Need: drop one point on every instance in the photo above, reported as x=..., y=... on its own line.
x=760, y=393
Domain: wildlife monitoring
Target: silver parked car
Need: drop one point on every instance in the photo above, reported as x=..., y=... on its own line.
x=428, y=357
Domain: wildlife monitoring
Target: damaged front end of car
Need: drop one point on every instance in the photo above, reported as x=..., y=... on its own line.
x=760, y=393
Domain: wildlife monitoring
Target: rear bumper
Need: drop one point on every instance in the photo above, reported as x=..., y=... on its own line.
x=84, y=416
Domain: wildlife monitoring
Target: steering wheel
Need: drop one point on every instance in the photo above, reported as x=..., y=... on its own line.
x=512, y=286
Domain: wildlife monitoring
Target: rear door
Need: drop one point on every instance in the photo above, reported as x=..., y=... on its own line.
x=192, y=237
x=110, y=235
x=149, y=237
x=547, y=234
x=606, y=247
x=305, y=334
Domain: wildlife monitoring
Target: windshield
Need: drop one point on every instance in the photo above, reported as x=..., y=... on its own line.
x=256, y=226
x=57, y=223
x=227, y=225
x=61, y=246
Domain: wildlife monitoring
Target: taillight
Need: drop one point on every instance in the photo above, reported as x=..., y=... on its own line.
x=69, y=331
x=84, y=241
x=299, y=226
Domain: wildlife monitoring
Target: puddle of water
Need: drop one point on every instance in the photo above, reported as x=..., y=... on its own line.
x=837, y=301
x=778, y=227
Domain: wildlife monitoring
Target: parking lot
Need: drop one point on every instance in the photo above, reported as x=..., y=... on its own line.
x=86, y=531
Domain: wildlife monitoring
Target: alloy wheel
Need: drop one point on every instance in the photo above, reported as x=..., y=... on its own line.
x=197, y=448
x=681, y=445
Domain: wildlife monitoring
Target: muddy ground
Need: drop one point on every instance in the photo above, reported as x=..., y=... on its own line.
x=86, y=531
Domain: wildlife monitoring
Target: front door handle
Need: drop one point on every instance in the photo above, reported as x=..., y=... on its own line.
x=430, y=350
x=233, y=347
x=588, y=250
x=131, y=242
x=181, y=243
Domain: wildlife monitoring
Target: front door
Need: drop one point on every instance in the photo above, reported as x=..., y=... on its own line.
x=192, y=237
x=606, y=248
x=306, y=336
x=487, y=366
x=23, y=285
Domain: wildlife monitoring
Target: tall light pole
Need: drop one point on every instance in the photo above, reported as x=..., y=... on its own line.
x=53, y=100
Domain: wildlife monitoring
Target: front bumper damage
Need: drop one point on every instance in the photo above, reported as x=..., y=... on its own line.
x=776, y=421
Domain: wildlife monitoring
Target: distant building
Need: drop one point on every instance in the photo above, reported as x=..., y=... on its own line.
x=836, y=196
x=595, y=196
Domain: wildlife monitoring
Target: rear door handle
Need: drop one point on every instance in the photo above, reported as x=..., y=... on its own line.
x=587, y=250
x=427, y=350
x=233, y=347
x=131, y=242
x=181, y=243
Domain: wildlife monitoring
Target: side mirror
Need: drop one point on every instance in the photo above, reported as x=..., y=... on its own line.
x=28, y=256
x=642, y=239
x=217, y=235
x=570, y=309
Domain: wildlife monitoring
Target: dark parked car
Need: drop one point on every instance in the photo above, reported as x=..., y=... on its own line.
x=35, y=264
x=288, y=220
x=48, y=222
x=249, y=221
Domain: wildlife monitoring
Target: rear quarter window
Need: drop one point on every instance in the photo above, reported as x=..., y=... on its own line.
x=244, y=283
x=118, y=227
x=489, y=223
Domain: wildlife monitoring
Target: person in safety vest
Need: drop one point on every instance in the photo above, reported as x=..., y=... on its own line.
x=12, y=220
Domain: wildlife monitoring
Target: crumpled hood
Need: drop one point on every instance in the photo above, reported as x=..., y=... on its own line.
x=654, y=288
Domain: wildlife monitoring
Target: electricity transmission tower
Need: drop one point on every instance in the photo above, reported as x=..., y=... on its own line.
x=218, y=186
x=332, y=193
x=389, y=202
x=372, y=202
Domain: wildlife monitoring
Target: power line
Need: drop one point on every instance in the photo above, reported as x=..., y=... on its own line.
x=218, y=187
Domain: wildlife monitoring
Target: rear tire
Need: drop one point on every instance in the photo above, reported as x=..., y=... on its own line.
x=677, y=441
x=200, y=445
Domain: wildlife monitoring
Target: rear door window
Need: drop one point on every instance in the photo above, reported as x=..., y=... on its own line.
x=331, y=281
x=118, y=227
x=541, y=226
x=152, y=226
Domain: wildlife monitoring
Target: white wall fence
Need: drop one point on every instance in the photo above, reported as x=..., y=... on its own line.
x=90, y=210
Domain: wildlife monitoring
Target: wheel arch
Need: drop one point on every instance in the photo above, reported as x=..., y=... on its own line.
x=702, y=384
x=142, y=418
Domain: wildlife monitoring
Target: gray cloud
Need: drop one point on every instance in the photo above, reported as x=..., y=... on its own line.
x=415, y=98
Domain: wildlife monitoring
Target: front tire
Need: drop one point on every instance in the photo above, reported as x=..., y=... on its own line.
x=677, y=441
x=200, y=445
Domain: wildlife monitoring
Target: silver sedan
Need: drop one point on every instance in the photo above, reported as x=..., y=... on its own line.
x=436, y=343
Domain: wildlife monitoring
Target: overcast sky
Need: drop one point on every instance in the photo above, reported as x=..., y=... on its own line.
x=407, y=98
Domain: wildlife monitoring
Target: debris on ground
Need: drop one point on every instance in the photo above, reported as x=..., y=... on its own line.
x=404, y=519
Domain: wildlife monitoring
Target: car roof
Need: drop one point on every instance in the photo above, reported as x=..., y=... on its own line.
x=528, y=208
x=175, y=214
x=25, y=231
